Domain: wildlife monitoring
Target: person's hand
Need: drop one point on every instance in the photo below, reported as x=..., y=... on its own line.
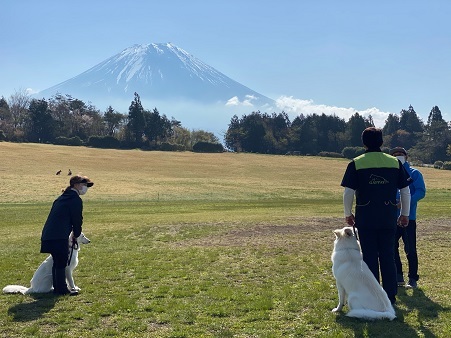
x=403, y=221
x=73, y=239
x=350, y=220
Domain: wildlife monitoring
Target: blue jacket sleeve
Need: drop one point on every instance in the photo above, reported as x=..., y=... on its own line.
x=417, y=188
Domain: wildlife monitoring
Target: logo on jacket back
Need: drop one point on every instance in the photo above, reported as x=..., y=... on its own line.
x=374, y=179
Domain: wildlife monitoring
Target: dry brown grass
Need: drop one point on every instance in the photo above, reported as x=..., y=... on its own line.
x=28, y=174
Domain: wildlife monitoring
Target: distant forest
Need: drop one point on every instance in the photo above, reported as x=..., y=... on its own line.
x=65, y=120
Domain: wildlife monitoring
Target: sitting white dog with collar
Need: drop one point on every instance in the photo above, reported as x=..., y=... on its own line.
x=42, y=281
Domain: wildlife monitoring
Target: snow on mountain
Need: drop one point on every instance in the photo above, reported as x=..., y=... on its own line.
x=158, y=72
x=168, y=78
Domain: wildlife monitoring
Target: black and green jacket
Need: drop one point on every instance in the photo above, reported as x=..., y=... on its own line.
x=376, y=178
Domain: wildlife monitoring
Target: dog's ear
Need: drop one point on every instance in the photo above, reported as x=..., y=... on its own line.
x=348, y=232
x=337, y=233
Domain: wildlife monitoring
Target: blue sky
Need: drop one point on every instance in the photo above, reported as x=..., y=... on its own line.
x=312, y=56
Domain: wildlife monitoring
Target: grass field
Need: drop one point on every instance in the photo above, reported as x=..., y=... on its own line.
x=203, y=245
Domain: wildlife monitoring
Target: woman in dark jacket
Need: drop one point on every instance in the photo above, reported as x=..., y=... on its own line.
x=66, y=216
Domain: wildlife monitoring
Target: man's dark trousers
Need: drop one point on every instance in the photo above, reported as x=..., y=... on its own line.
x=409, y=238
x=378, y=248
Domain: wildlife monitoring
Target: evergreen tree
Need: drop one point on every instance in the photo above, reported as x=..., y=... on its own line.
x=410, y=122
x=315, y=133
x=39, y=126
x=391, y=125
x=435, y=116
x=254, y=131
x=113, y=121
x=61, y=113
x=233, y=136
x=304, y=135
x=156, y=126
x=136, y=121
x=6, y=126
x=277, y=132
x=435, y=140
x=5, y=114
x=354, y=128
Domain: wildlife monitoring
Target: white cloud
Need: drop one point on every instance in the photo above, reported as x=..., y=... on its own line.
x=31, y=91
x=294, y=107
x=235, y=101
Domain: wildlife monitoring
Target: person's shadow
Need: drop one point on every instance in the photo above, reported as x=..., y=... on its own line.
x=29, y=311
x=427, y=310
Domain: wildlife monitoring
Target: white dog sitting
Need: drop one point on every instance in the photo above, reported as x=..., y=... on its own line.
x=42, y=281
x=355, y=282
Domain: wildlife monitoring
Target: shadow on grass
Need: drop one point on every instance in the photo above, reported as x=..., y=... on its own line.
x=378, y=328
x=426, y=309
x=28, y=311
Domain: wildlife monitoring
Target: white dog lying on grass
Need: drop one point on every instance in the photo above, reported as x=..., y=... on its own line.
x=355, y=282
x=42, y=281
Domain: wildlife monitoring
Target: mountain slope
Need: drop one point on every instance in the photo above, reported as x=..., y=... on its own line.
x=157, y=72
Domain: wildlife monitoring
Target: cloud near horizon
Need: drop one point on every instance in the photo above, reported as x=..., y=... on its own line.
x=31, y=91
x=235, y=101
x=294, y=107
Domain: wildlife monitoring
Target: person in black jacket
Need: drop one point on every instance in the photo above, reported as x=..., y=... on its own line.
x=374, y=178
x=66, y=216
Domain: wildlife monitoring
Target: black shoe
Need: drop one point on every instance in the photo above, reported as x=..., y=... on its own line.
x=61, y=286
x=400, y=280
x=65, y=292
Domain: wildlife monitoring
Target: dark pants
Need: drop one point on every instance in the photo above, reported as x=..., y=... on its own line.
x=59, y=260
x=409, y=238
x=378, y=250
x=59, y=272
x=59, y=250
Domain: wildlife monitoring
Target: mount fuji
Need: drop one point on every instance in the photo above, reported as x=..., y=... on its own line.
x=167, y=77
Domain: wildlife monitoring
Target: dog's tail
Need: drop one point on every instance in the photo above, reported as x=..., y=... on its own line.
x=371, y=314
x=15, y=289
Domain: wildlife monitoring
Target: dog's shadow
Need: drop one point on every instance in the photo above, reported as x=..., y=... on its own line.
x=29, y=311
x=426, y=309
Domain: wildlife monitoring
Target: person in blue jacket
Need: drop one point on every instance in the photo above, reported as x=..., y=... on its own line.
x=374, y=178
x=66, y=216
x=409, y=233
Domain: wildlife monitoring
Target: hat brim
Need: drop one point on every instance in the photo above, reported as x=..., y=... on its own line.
x=90, y=184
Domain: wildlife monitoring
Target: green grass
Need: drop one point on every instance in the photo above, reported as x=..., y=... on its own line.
x=240, y=249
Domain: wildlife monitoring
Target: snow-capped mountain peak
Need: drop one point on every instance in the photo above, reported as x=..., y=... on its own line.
x=157, y=71
x=168, y=78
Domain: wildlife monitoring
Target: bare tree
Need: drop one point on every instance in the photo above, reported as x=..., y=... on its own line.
x=18, y=106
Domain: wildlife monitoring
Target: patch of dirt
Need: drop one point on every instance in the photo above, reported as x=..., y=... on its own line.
x=431, y=226
x=269, y=234
x=294, y=232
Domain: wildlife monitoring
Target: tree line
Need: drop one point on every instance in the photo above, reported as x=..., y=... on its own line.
x=63, y=119
x=331, y=135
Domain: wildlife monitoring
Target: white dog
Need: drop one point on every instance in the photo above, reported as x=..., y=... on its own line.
x=355, y=282
x=42, y=281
